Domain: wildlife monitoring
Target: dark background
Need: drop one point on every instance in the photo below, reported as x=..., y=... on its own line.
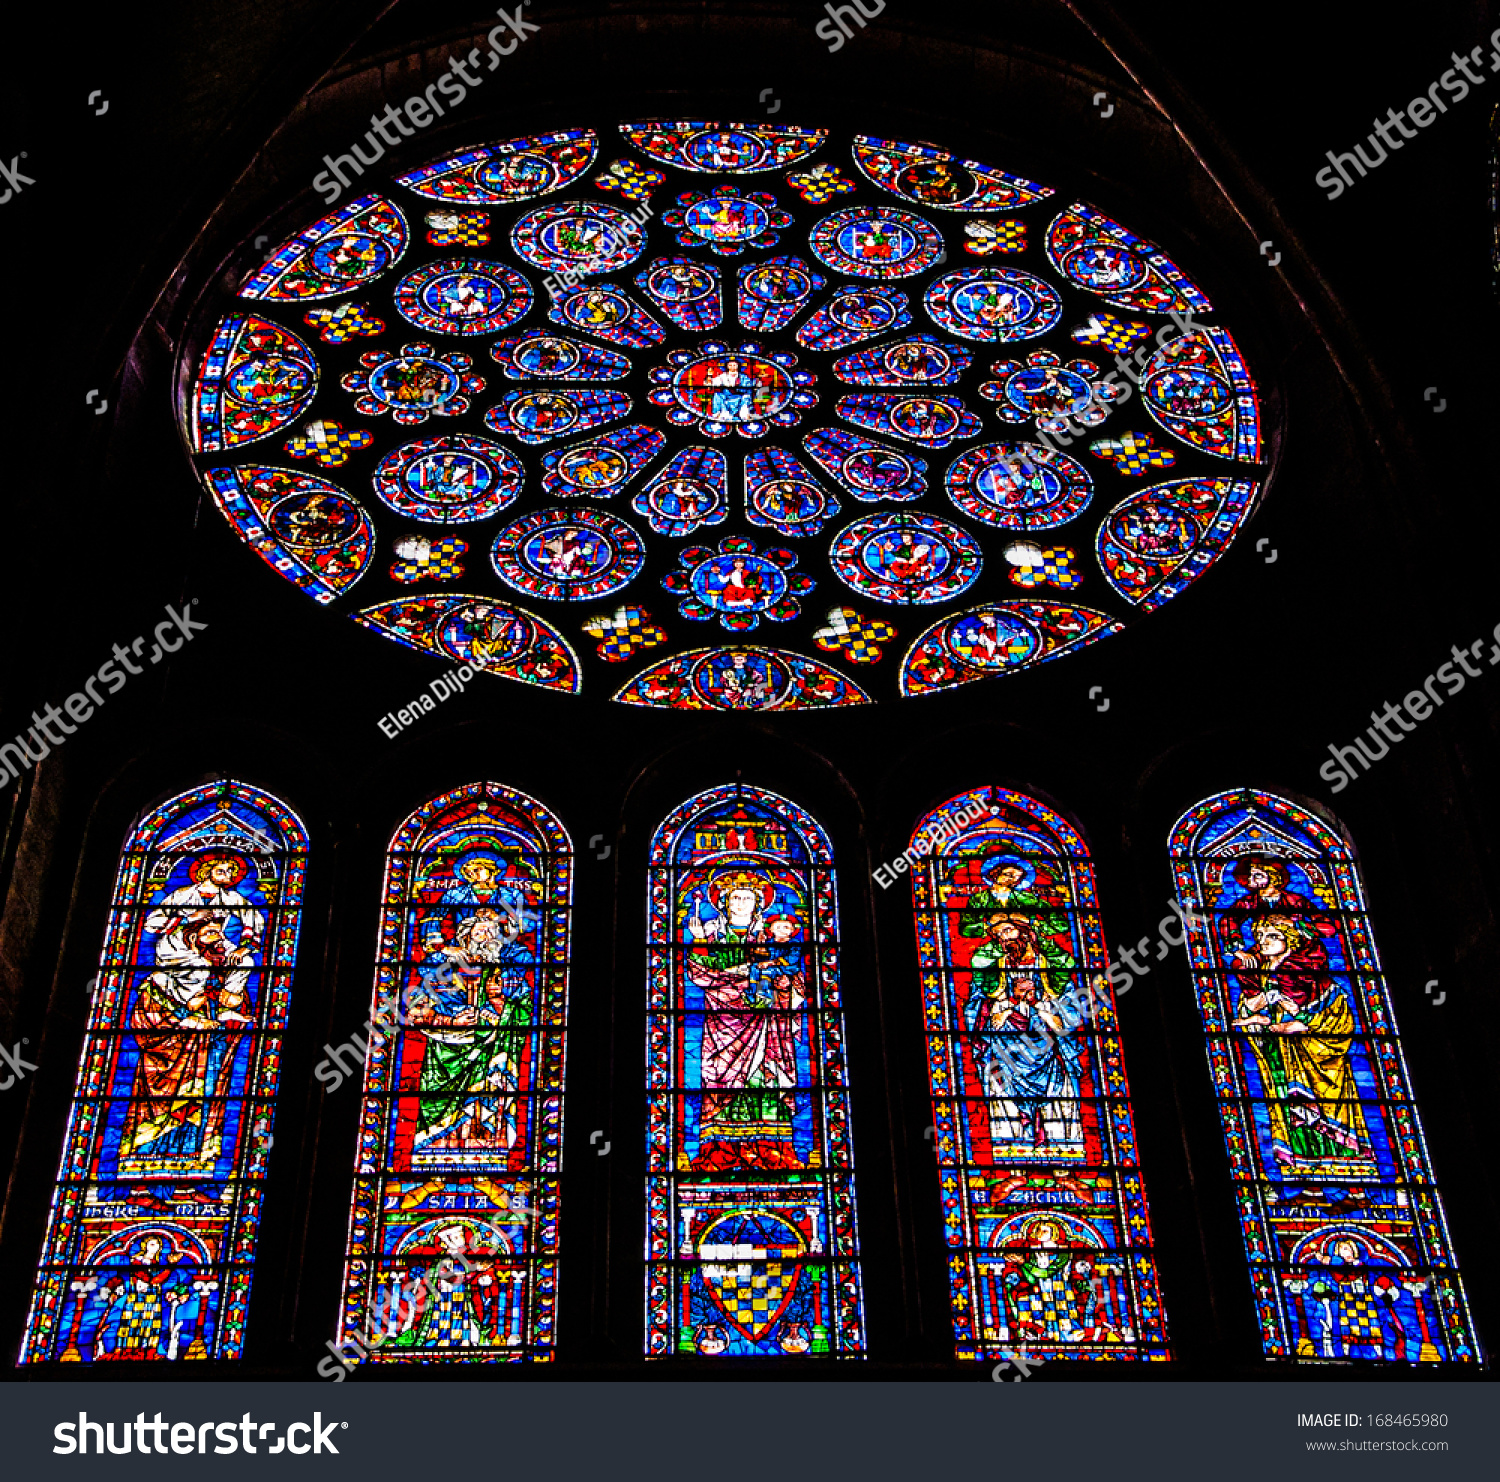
x=1381, y=513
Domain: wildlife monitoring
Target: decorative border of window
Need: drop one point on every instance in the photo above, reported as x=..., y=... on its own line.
x=1348, y=1249
x=1044, y=1212
x=751, y=1239
x=150, y=1242
x=452, y=1253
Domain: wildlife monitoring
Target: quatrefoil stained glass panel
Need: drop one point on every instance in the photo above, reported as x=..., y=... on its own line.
x=506, y=426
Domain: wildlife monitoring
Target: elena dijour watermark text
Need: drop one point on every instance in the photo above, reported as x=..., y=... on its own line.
x=1346, y=762
x=393, y=722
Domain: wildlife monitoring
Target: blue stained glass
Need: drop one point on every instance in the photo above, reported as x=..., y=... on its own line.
x=751, y=1244
x=452, y=1253
x=150, y=1243
x=1349, y=1252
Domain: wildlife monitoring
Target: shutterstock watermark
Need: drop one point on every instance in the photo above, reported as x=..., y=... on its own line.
x=1347, y=761
x=17, y=757
x=421, y=108
x=190, y=1438
x=835, y=30
x=1422, y=110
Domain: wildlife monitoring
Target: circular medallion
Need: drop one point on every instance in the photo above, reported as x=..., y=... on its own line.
x=906, y=557
x=724, y=149
x=740, y=679
x=876, y=242
x=546, y=355
x=463, y=296
x=1190, y=392
x=352, y=257
x=598, y=309
x=732, y=389
x=568, y=554
x=925, y=419
x=1047, y=391
x=778, y=283
x=314, y=520
x=1153, y=529
x=937, y=182
x=784, y=502
x=1019, y=486
x=729, y=219
x=449, y=480
x=877, y=471
x=918, y=361
x=414, y=382
x=578, y=237
x=680, y=283
x=674, y=501
x=739, y=582
x=268, y=381
x=518, y=177
x=1108, y=267
x=593, y=467
x=993, y=304
x=862, y=309
x=991, y=638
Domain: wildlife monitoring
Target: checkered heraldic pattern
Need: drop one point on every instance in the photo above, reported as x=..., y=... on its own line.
x=736, y=377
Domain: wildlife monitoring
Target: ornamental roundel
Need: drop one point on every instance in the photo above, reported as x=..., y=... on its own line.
x=757, y=379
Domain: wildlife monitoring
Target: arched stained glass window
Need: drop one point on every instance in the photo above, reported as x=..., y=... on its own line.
x=151, y=1240
x=1348, y=1249
x=453, y=1234
x=1048, y=1236
x=751, y=1242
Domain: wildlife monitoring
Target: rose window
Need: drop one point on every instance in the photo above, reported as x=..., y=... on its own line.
x=726, y=417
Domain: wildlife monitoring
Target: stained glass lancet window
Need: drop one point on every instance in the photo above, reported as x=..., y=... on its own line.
x=1049, y=1242
x=751, y=1241
x=1348, y=1248
x=150, y=1243
x=453, y=1235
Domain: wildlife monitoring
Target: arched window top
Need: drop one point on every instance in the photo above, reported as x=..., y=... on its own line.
x=751, y=1244
x=1349, y=1251
x=150, y=1245
x=452, y=1253
x=532, y=369
x=1043, y=1207
x=487, y=810
x=737, y=817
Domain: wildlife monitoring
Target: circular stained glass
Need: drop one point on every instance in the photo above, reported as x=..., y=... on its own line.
x=462, y=296
x=1018, y=486
x=829, y=380
x=906, y=557
x=567, y=554
x=876, y=242
x=578, y=237
x=449, y=480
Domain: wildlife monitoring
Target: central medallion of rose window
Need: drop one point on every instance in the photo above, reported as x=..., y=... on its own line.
x=720, y=390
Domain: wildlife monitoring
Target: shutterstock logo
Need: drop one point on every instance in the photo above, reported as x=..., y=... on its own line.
x=189, y=1438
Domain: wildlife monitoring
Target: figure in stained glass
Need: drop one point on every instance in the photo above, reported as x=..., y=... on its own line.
x=751, y=1243
x=1030, y=1105
x=1344, y=1231
x=453, y=1239
x=150, y=1246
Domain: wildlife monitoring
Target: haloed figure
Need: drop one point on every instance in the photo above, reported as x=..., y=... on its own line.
x=1301, y=1028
